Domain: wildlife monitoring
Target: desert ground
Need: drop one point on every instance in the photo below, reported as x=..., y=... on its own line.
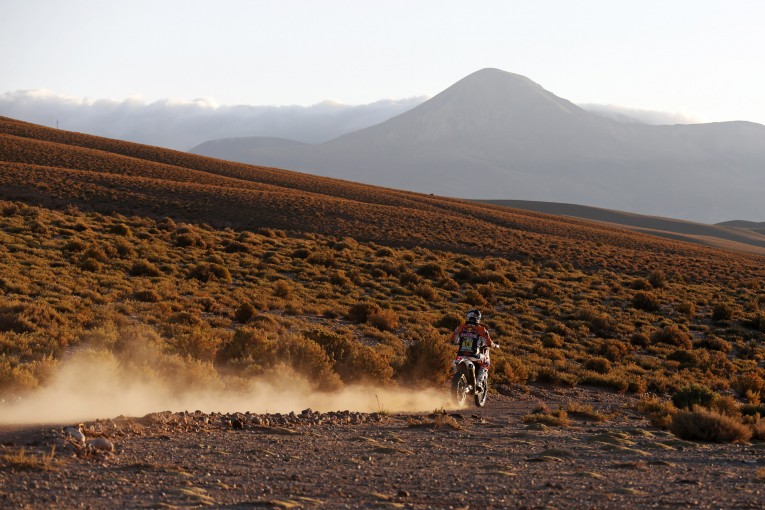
x=492, y=457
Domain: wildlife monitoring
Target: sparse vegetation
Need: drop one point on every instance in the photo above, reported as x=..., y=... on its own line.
x=221, y=277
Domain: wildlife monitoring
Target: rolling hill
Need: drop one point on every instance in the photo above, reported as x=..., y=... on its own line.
x=498, y=135
x=736, y=235
x=57, y=168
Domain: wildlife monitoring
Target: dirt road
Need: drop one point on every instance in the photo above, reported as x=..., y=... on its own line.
x=469, y=458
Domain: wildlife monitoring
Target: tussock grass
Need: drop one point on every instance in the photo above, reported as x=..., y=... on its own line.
x=704, y=425
x=23, y=460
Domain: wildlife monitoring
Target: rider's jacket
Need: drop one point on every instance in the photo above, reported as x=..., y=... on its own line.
x=470, y=337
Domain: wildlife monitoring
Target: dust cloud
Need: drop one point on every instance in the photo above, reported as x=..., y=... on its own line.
x=93, y=384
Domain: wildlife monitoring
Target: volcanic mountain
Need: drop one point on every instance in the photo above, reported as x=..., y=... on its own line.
x=498, y=135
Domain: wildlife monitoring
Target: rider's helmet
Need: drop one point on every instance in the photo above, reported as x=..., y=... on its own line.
x=473, y=316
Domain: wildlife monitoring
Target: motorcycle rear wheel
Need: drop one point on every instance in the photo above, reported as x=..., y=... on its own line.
x=480, y=398
x=459, y=388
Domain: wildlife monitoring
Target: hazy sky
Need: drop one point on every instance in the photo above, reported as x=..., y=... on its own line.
x=702, y=58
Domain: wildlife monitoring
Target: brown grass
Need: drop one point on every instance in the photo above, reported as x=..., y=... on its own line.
x=219, y=260
x=704, y=425
x=22, y=460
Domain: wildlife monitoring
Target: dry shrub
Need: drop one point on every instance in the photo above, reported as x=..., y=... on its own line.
x=552, y=340
x=640, y=284
x=307, y=358
x=186, y=236
x=659, y=412
x=121, y=230
x=687, y=358
x=283, y=289
x=144, y=268
x=615, y=382
x=704, y=425
x=261, y=352
x=544, y=289
x=184, y=317
x=91, y=265
x=236, y=247
x=409, y=278
x=657, y=279
x=694, y=395
x=428, y=358
x=24, y=461
x=645, y=301
x=444, y=420
x=360, y=312
x=209, y=271
x=246, y=342
x=244, y=313
x=322, y=258
x=352, y=360
x=426, y=292
x=74, y=246
x=384, y=320
x=577, y=410
x=124, y=249
x=28, y=317
x=687, y=308
x=448, y=321
x=339, y=279
x=714, y=343
x=722, y=312
x=750, y=382
x=199, y=343
x=147, y=296
x=265, y=322
x=639, y=340
x=431, y=270
x=598, y=364
x=614, y=350
x=558, y=418
x=598, y=323
x=672, y=335
x=474, y=298
x=726, y=405
x=508, y=370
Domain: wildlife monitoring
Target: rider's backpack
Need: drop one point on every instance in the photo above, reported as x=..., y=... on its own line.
x=469, y=342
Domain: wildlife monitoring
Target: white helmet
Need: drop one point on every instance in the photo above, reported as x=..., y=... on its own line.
x=474, y=316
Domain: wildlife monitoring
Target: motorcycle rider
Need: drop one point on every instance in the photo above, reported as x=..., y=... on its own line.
x=471, y=337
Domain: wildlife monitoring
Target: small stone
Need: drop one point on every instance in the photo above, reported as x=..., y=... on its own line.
x=402, y=493
x=101, y=443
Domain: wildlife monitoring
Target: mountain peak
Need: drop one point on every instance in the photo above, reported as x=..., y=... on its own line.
x=490, y=100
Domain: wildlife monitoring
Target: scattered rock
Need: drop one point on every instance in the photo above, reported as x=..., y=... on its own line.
x=101, y=444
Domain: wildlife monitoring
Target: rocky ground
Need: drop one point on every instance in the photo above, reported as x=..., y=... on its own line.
x=471, y=458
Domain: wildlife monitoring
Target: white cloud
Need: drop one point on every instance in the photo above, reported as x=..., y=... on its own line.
x=182, y=124
x=627, y=114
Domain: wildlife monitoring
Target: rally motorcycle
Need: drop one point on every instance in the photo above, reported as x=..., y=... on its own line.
x=465, y=370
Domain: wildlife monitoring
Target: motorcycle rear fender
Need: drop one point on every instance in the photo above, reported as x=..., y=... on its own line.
x=461, y=363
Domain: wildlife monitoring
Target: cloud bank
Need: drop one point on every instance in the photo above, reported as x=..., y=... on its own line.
x=635, y=115
x=180, y=124
x=183, y=124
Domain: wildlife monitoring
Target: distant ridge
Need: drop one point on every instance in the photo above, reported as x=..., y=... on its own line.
x=748, y=225
x=494, y=135
x=737, y=235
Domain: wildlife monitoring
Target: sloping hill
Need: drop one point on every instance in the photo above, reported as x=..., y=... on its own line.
x=57, y=168
x=495, y=135
x=747, y=225
x=740, y=236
